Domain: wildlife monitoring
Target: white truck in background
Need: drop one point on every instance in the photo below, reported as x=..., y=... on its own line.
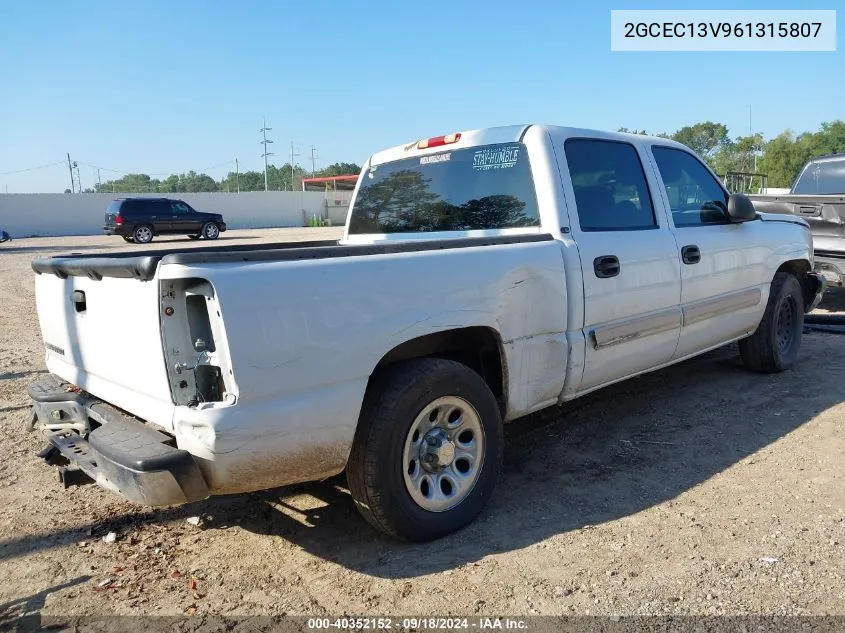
x=481, y=276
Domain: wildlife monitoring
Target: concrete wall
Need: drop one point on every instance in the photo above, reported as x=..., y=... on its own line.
x=48, y=214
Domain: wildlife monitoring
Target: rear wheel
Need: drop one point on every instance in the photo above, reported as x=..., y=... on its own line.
x=128, y=238
x=210, y=231
x=143, y=234
x=774, y=345
x=428, y=449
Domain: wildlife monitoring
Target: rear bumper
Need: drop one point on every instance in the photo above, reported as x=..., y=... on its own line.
x=815, y=284
x=121, y=453
x=114, y=230
x=832, y=267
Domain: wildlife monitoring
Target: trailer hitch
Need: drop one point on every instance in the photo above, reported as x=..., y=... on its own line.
x=69, y=476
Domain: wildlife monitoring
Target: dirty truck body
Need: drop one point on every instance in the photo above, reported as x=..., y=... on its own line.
x=818, y=196
x=481, y=276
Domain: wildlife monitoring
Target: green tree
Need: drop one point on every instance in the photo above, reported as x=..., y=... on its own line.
x=705, y=139
x=783, y=157
x=738, y=155
x=338, y=169
x=625, y=130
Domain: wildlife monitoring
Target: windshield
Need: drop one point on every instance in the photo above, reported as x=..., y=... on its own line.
x=487, y=187
x=826, y=177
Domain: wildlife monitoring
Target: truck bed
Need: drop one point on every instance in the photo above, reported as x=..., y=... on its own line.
x=143, y=266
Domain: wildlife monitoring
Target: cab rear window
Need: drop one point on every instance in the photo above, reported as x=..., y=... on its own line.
x=485, y=187
x=822, y=178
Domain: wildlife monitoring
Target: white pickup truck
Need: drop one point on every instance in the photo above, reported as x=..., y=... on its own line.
x=481, y=276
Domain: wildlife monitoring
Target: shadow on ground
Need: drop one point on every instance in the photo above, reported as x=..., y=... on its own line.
x=51, y=249
x=608, y=455
x=14, y=375
x=222, y=238
x=834, y=300
x=23, y=614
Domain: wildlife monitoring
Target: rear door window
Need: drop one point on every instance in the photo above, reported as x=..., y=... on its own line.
x=158, y=208
x=179, y=208
x=485, y=187
x=611, y=193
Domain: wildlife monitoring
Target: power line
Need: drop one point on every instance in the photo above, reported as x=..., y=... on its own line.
x=20, y=171
x=123, y=171
x=161, y=173
x=228, y=162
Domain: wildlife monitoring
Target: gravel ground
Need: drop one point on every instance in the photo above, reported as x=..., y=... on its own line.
x=699, y=489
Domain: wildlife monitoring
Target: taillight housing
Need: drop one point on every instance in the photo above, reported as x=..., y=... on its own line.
x=118, y=220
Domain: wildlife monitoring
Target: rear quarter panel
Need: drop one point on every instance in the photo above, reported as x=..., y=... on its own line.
x=304, y=337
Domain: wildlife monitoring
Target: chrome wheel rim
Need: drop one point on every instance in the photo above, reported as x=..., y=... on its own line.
x=784, y=334
x=444, y=453
x=211, y=231
x=143, y=234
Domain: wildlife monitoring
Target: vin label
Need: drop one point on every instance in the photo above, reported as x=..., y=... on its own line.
x=723, y=30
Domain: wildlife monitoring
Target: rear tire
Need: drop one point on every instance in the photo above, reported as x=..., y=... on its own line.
x=143, y=234
x=210, y=231
x=774, y=345
x=427, y=451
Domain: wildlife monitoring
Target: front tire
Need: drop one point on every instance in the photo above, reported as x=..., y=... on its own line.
x=210, y=231
x=427, y=451
x=143, y=234
x=774, y=345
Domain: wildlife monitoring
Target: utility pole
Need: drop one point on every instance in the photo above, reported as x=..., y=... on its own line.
x=264, y=142
x=70, y=169
x=78, y=177
x=751, y=133
x=237, y=176
x=292, y=170
x=99, y=183
x=313, y=160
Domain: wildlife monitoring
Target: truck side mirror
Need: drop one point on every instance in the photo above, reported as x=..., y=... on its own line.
x=740, y=208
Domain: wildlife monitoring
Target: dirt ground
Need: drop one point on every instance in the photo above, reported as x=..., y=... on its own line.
x=699, y=489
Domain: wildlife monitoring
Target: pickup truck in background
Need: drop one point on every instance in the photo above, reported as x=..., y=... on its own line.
x=482, y=276
x=818, y=196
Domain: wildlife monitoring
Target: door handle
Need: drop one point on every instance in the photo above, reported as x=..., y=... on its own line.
x=690, y=254
x=606, y=266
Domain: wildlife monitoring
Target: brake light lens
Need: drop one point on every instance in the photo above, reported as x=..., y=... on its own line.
x=437, y=141
x=118, y=220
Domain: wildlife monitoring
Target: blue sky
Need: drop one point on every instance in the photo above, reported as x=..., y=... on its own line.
x=161, y=87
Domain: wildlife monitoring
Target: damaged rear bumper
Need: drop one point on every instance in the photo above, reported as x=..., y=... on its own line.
x=832, y=266
x=114, y=449
x=815, y=284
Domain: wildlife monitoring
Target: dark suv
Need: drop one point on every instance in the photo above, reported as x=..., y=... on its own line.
x=140, y=219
